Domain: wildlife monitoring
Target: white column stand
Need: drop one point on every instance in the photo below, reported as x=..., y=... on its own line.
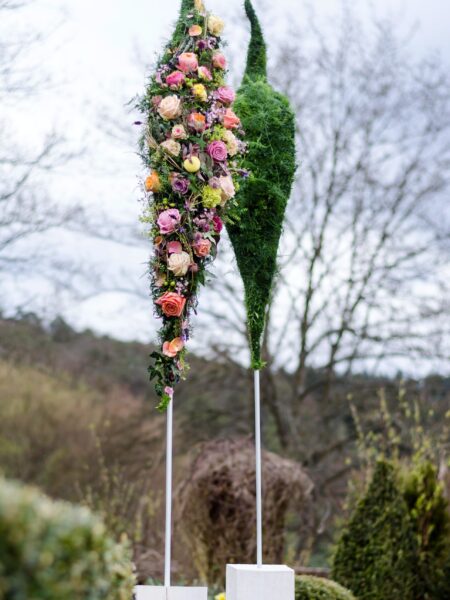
x=167, y=592
x=259, y=582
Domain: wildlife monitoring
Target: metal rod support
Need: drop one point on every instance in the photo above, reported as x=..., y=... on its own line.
x=259, y=542
x=168, y=542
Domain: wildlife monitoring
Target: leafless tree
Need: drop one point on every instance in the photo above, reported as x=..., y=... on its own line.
x=26, y=208
x=363, y=263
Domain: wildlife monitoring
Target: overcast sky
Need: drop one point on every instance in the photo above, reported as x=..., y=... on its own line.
x=91, y=56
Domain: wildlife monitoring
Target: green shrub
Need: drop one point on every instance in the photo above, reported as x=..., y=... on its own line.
x=55, y=551
x=317, y=588
x=428, y=509
x=377, y=555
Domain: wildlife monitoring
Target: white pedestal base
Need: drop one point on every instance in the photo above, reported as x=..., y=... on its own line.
x=269, y=582
x=153, y=592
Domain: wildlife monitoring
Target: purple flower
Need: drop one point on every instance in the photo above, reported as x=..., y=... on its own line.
x=180, y=185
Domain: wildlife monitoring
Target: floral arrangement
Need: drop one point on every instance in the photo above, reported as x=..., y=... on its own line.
x=192, y=149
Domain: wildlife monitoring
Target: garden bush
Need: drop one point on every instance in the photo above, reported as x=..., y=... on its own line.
x=377, y=554
x=428, y=509
x=55, y=551
x=317, y=588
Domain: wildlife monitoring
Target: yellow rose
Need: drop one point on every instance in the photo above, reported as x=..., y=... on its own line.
x=199, y=92
x=192, y=164
x=220, y=597
x=170, y=107
x=215, y=25
x=199, y=6
x=179, y=263
x=172, y=147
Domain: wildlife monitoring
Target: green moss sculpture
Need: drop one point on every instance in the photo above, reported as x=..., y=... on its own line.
x=377, y=555
x=269, y=124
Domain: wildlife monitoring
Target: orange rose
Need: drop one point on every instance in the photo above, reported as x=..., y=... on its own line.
x=230, y=120
x=152, y=183
x=171, y=303
x=172, y=348
x=195, y=30
x=197, y=121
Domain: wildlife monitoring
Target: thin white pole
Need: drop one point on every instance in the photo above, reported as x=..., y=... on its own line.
x=258, y=469
x=168, y=543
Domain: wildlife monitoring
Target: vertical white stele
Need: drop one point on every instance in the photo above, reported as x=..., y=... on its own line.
x=259, y=582
x=259, y=541
x=166, y=592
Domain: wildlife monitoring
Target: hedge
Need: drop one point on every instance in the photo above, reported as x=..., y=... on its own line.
x=317, y=588
x=377, y=555
x=55, y=551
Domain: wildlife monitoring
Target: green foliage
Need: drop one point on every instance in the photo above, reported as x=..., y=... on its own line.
x=377, y=555
x=317, y=588
x=430, y=516
x=55, y=551
x=257, y=54
x=269, y=124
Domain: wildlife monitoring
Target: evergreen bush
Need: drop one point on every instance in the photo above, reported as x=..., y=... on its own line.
x=55, y=551
x=377, y=554
x=317, y=588
x=429, y=512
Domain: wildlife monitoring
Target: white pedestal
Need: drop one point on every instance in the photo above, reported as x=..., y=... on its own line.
x=153, y=592
x=269, y=582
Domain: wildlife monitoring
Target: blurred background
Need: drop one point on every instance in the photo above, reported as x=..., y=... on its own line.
x=357, y=343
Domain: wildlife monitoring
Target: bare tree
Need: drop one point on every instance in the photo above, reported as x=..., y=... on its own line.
x=364, y=257
x=25, y=206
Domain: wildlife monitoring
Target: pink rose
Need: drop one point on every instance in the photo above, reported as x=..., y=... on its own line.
x=168, y=220
x=175, y=80
x=226, y=95
x=201, y=247
x=217, y=151
x=219, y=60
x=188, y=62
x=204, y=73
x=230, y=120
x=174, y=247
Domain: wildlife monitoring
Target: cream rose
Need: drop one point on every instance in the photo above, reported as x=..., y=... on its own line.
x=172, y=147
x=215, y=25
x=227, y=187
x=231, y=142
x=170, y=107
x=179, y=263
x=199, y=5
x=179, y=132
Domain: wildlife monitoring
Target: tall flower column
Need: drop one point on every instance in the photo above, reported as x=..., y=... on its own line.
x=191, y=147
